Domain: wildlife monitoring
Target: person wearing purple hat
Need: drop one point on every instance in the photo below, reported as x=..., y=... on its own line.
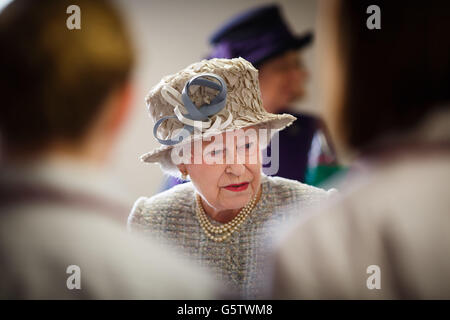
x=262, y=37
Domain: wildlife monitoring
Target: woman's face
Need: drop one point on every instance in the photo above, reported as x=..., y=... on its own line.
x=232, y=184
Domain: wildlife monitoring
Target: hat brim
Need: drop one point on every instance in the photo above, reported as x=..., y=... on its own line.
x=275, y=122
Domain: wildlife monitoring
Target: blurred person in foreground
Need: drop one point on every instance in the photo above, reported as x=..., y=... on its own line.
x=64, y=96
x=261, y=36
x=387, y=93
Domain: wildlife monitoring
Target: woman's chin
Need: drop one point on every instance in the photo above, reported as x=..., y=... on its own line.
x=237, y=201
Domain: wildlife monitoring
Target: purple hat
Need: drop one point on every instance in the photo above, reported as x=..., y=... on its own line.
x=256, y=35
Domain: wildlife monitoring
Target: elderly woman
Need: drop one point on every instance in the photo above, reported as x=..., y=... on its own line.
x=212, y=127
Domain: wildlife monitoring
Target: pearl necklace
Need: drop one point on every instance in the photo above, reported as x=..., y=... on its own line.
x=219, y=234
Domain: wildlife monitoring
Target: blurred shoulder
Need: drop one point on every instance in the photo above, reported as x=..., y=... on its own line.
x=287, y=188
x=99, y=247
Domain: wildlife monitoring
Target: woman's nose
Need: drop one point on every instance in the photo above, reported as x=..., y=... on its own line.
x=236, y=169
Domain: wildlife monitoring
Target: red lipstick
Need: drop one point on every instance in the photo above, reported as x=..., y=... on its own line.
x=237, y=187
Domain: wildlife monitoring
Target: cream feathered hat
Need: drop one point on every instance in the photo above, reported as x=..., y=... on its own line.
x=207, y=98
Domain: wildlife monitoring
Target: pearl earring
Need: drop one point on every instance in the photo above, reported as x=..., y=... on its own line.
x=184, y=175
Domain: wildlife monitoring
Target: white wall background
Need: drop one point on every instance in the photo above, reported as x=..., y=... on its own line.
x=168, y=36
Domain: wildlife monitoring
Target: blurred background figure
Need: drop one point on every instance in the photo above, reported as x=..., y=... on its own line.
x=65, y=94
x=387, y=96
x=261, y=36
